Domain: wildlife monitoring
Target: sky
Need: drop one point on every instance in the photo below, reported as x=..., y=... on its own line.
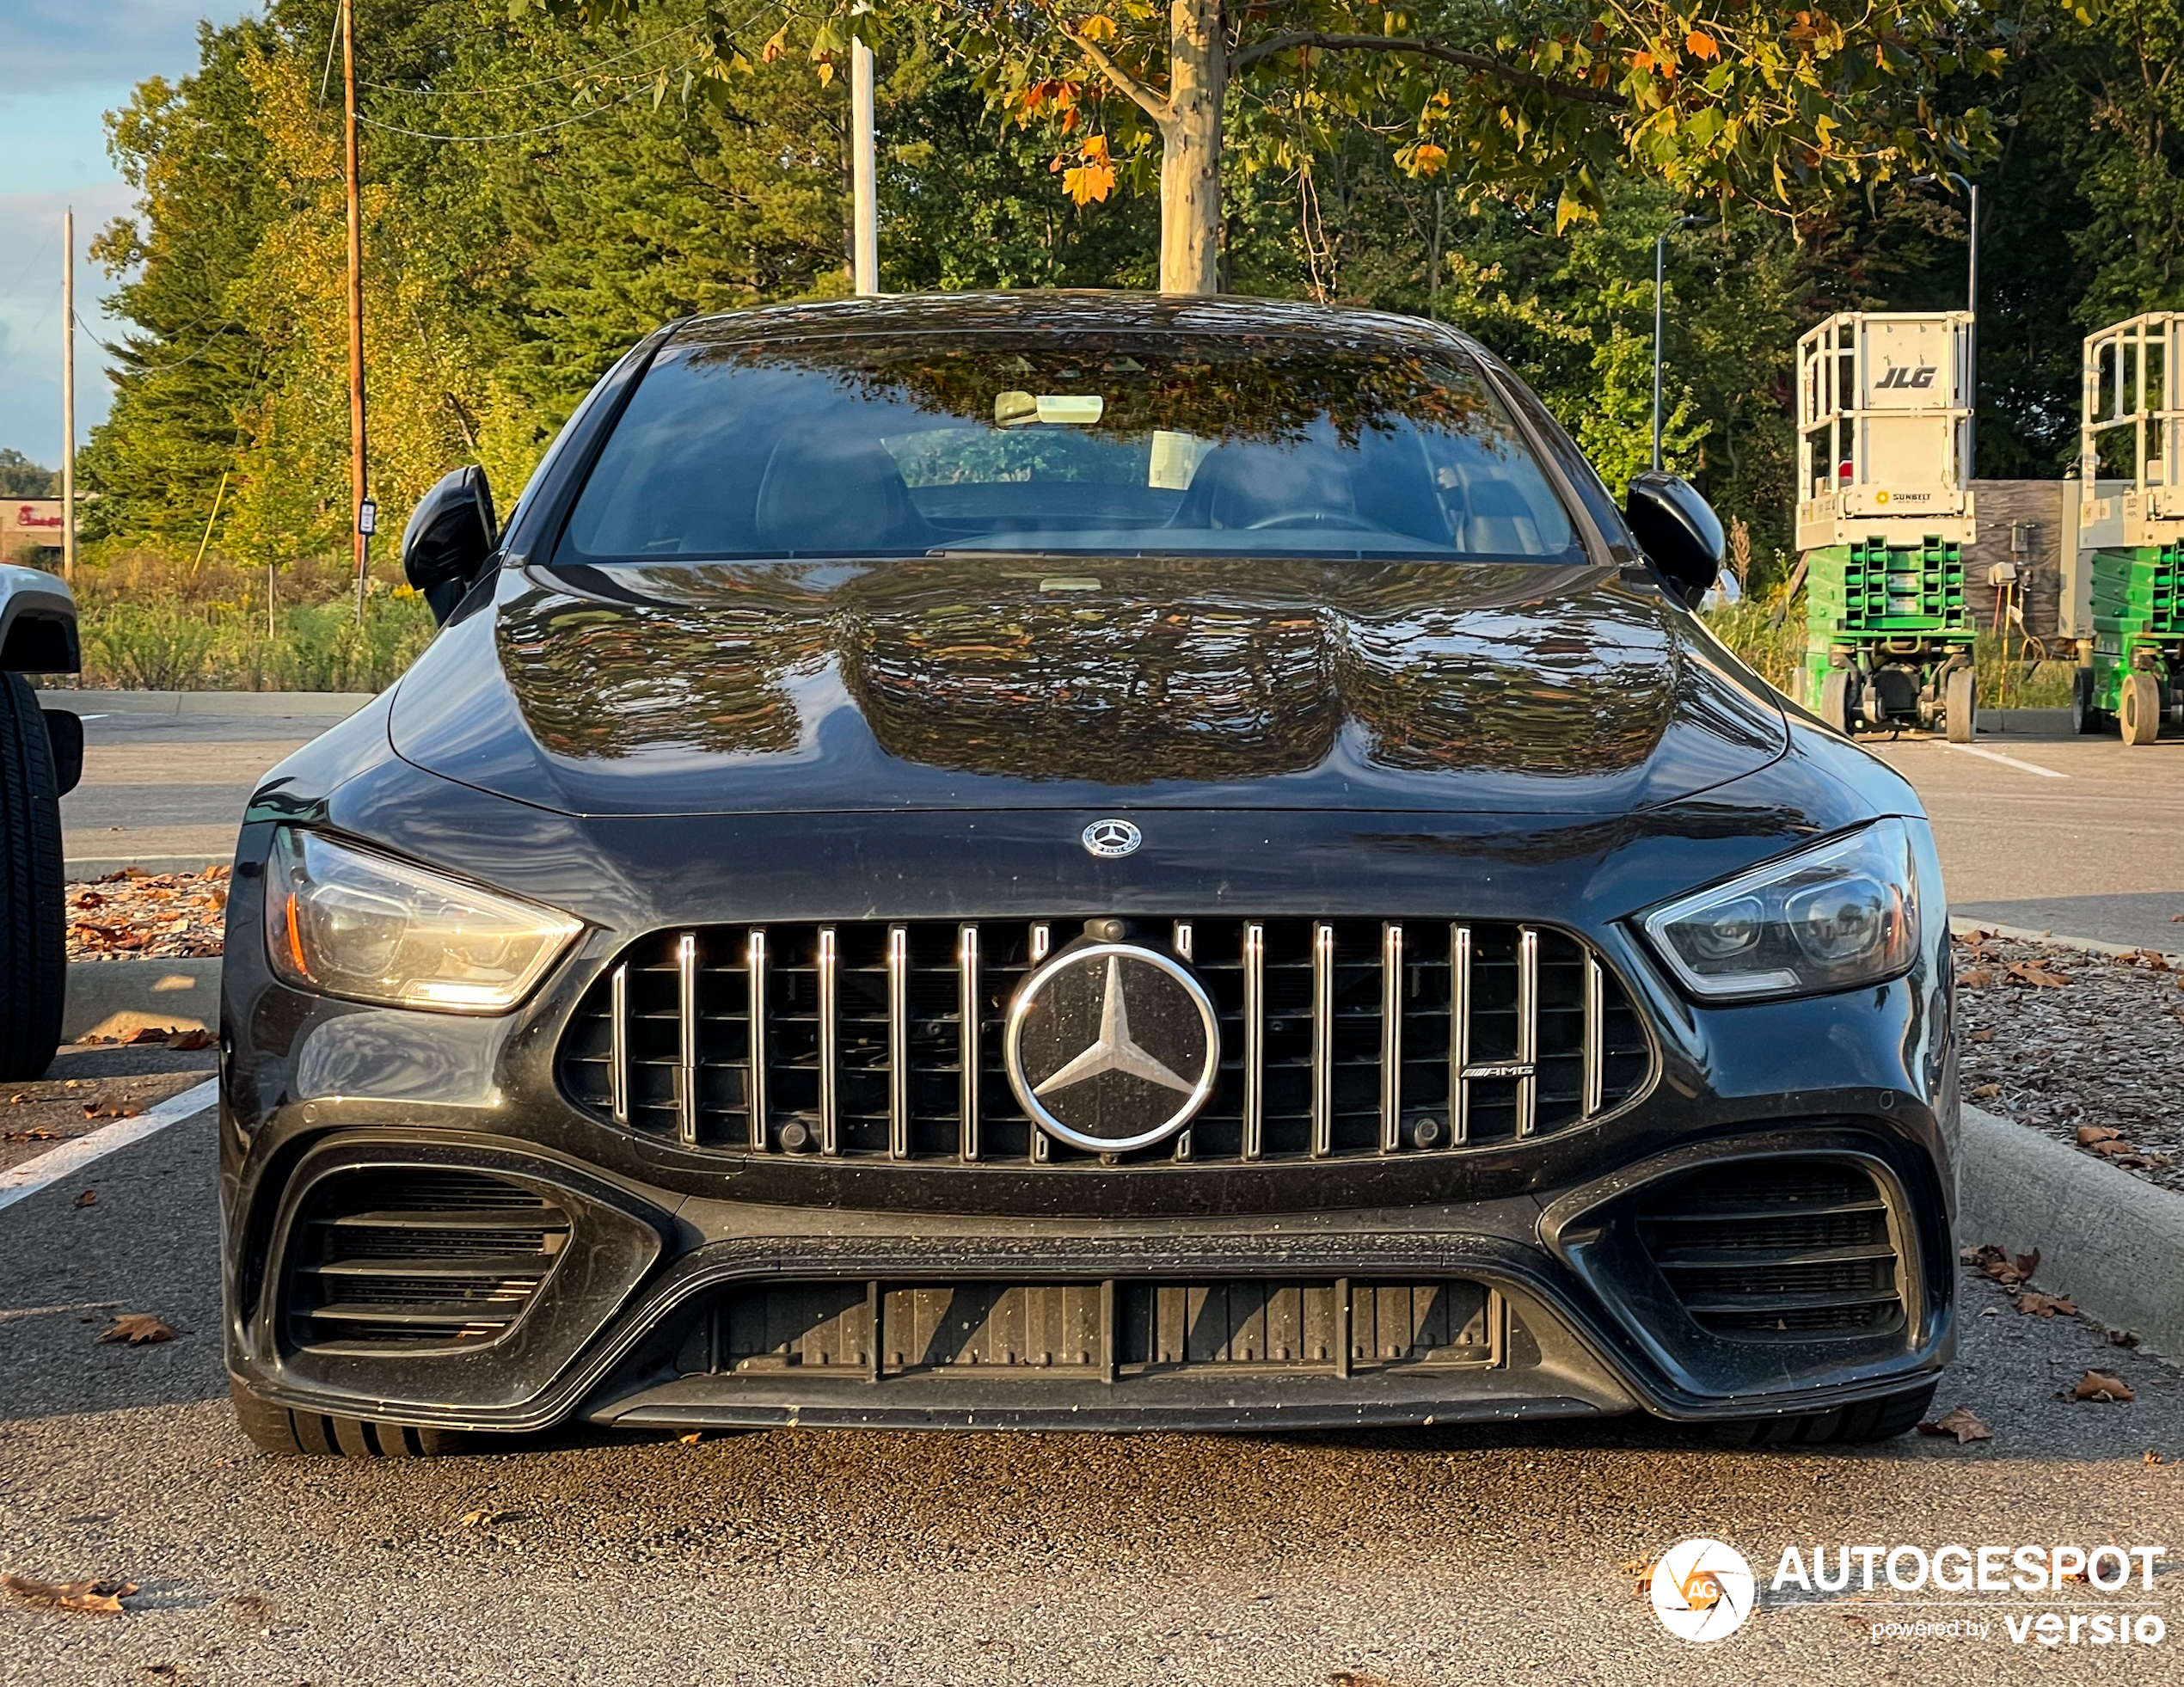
x=63, y=63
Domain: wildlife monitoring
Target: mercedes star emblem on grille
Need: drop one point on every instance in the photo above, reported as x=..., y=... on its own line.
x=1112, y=837
x=1113, y=1047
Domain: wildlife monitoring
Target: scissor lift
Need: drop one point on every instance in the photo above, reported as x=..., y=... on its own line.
x=2124, y=593
x=1884, y=511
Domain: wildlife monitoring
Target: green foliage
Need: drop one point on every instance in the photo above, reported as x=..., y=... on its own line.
x=173, y=646
x=22, y=478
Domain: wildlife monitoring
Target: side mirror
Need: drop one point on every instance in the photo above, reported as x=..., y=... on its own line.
x=451, y=536
x=1679, y=530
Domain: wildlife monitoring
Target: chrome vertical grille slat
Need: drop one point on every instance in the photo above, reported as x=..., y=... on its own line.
x=969, y=1058
x=1391, y=1037
x=1322, y=1040
x=619, y=1043
x=828, y=963
x=1341, y=1038
x=755, y=1086
x=686, y=981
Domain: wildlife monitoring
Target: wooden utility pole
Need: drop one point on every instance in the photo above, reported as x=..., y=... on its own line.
x=68, y=395
x=359, y=539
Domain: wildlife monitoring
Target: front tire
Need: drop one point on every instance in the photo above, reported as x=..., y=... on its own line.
x=1960, y=703
x=2086, y=718
x=33, y=954
x=2141, y=715
x=1881, y=1419
x=1836, y=694
x=277, y=1430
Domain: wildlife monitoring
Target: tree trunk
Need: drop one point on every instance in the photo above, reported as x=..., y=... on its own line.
x=1190, y=158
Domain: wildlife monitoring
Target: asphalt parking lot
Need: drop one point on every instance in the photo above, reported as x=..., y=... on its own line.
x=1429, y=1557
x=1456, y=1555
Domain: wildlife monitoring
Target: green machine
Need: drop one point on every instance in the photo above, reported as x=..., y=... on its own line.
x=1884, y=511
x=2123, y=589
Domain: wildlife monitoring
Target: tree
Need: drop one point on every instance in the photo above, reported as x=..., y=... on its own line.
x=22, y=478
x=1776, y=102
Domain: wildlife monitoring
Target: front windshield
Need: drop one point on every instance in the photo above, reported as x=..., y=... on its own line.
x=1110, y=444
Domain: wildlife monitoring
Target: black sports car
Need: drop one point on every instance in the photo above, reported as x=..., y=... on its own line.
x=1079, y=860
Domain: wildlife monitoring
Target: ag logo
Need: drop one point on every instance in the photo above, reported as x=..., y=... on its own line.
x=1701, y=1589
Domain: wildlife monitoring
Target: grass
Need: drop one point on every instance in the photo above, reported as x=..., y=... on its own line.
x=151, y=623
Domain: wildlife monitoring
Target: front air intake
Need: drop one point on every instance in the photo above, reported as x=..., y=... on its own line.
x=417, y=1259
x=1788, y=1250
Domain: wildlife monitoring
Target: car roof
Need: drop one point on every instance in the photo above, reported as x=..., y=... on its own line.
x=1072, y=310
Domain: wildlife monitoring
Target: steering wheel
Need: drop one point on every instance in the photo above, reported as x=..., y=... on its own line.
x=1352, y=522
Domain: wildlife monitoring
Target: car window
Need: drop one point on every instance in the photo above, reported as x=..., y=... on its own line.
x=860, y=446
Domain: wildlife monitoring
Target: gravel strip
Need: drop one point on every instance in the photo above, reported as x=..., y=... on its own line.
x=133, y=915
x=2087, y=1048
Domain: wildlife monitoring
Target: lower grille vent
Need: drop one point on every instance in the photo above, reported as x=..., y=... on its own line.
x=873, y=1330
x=1785, y=1251
x=393, y=1259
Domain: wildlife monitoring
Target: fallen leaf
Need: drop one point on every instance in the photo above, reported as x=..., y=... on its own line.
x=2114, y=1148
x=486, y=1517
x=2090, y=1134
x=1981, y=1037
x=191, y=1041
x=2098, y=1385
x=88, y=1198
x=1959, y=1421
x=1986, y=1090
x=2151, y=1457
x=2026, y=1264
x=2046, y=1306
x=152, y=1034
x=31, y=1136
x=101, y=1596
x=137, y=1327
x=2035, y=973
x=1977, y=978
x=692, y=1438
x=109, y=1110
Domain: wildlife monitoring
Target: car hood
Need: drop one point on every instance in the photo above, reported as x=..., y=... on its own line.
x=1073, y=682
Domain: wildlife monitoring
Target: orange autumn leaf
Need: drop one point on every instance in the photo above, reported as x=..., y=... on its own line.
x=1700, y=44
x=1430, y=158
x=1641, y=61
x=1087, y=182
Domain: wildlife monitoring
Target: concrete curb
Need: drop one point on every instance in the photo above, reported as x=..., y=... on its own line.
x=2111, y=1242
x=2026, y=722
x=118, y=998
x=317, y=705
x=1963, y=927
x=97, y=867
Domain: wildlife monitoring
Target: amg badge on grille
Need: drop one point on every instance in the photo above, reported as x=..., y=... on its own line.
x=1113, y=1047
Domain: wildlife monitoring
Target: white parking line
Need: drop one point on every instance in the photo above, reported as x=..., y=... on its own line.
x=50, y=1167
x=2006, y=761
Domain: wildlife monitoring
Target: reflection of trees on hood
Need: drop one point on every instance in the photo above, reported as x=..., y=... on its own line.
x=707, y=671
x=1262, y=389
x=1539, y=684
x=1183, y=669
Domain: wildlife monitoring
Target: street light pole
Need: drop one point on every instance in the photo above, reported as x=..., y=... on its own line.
x=68, y=395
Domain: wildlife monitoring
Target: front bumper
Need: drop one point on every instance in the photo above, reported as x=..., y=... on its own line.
x=1566, y=1317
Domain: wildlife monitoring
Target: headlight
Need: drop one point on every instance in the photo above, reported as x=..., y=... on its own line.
x=1833, y=917
x=349, y=921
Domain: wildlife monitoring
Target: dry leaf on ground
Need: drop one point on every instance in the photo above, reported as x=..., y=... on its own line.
x=103, y=1596
x=1982, y=1037
x=137, y=1327
x=2035, y=973
x=88, y=1198
x=30, y=1136
x=1959, y=1421
x=2098, y=1385
x=2090, y=1134
x=2152, y=1457
x=2046, y=1306
x=1977, y=978
x=190, y=1041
